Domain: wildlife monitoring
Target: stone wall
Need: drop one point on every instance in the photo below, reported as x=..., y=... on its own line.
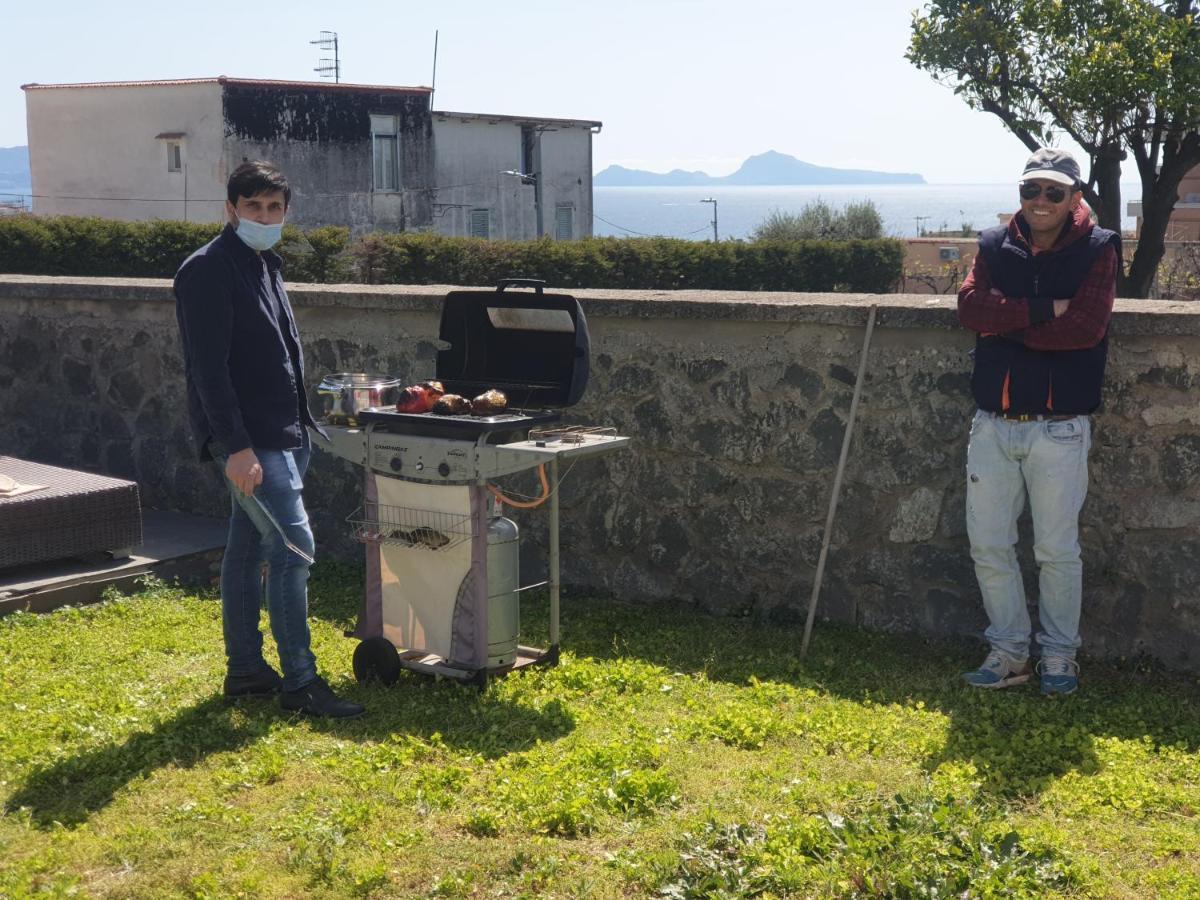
x=736, y=404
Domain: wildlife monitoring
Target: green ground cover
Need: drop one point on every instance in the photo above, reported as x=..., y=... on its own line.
x=670, y=754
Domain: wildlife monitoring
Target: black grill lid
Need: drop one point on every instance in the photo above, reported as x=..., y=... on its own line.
x=534, y=347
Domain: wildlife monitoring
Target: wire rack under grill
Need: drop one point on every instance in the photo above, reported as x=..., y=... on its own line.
x=410, y=527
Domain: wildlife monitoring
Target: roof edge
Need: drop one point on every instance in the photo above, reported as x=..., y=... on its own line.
x=225, y=79
x=535, y=120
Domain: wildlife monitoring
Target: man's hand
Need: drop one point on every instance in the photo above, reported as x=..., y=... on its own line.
x=1060, y=307
x=244, y=471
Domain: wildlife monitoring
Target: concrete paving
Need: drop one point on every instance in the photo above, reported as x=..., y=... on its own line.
x=175, y=545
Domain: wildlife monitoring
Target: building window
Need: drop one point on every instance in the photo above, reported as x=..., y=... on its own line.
x=481, y=223
x=174, y=156
x=385, y=152
x=564, y=223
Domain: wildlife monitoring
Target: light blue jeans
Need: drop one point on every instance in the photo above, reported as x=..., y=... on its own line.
x=252, y=541
x=1046, y=461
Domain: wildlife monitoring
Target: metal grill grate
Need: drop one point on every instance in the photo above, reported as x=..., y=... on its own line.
x=407, y=526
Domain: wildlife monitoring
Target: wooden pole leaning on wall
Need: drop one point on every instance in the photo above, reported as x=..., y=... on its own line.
x=837, y=485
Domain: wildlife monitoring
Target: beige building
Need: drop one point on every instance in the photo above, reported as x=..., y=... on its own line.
x=371, y=157
x=1185, y=217
x=936, y=265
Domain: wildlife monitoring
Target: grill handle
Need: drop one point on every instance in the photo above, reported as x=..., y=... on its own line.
x=537, y=284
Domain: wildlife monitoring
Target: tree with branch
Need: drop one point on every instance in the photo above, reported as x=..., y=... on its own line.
x=1119, y=77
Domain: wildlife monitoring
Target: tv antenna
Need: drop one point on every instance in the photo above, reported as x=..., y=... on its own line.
x=326, y=67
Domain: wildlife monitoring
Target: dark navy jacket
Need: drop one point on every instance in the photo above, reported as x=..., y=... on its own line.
x=1063, y=382
x=245, y=368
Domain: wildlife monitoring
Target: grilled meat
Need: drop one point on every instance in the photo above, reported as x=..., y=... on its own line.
x=452, y=405
x=489, y=403
x=435, y=388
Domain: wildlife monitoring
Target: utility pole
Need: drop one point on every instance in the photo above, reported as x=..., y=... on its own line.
x=433, y=81
x=920, y=225
x=714, y=221
x=329, y=68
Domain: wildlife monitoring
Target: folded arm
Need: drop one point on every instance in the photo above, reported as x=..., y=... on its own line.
x=984, y=309
x=1084, y=322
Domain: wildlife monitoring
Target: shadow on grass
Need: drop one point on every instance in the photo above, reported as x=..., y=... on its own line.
x=72, y=789
x=335, y=590
x=1019, y=741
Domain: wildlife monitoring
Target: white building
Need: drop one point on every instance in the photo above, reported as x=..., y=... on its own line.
x=368, y=156
x=478, y=163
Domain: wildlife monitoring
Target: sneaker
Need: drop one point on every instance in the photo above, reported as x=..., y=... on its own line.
x=317, y=699
x=263, y=683
x=1060, y=675
x=998, y=671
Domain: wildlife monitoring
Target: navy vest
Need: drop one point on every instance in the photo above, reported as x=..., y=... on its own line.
x=1061, y=382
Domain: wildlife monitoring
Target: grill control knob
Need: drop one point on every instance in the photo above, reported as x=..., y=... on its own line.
x=444, y=469
x=397, y=463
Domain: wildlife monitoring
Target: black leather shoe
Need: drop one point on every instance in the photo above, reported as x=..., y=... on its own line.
x=317, y=699
x=260, y=684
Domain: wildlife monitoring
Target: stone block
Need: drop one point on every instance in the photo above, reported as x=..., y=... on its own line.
x=1170, y=511
x=1181, y=462
x=916, y=517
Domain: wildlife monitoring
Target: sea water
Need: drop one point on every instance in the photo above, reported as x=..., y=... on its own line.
x=906, y=209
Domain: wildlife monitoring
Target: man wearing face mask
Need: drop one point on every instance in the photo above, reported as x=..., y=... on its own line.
x=1039, y=298
x=249, y=414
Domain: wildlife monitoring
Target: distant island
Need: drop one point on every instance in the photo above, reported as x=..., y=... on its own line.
x=765, y=168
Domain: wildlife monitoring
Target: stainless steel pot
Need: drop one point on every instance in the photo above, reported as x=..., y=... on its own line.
x=345, y=394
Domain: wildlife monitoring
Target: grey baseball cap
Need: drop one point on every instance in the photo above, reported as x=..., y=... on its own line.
x=1053, y=164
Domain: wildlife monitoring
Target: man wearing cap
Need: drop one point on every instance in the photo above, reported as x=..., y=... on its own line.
x=1039, y=297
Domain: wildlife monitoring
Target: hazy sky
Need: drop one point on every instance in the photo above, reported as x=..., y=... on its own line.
x=696, y=84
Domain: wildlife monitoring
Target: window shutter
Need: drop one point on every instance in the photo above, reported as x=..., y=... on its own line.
x=480, y=223
x=564, y=221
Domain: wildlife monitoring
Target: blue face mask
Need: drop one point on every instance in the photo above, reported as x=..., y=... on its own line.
x=257, y=236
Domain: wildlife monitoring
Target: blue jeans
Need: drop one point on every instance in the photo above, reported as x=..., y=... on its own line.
x=1046, y=461
x=252, y=541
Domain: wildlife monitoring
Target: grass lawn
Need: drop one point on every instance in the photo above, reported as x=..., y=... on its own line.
x=670, y=754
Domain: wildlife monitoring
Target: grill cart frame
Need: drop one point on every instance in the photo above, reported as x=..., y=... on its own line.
x=442, y=583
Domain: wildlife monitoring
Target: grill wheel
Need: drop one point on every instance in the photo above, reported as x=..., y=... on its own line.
x=376, y=659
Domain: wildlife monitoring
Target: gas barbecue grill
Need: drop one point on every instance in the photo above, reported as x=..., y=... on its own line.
x=442, y=581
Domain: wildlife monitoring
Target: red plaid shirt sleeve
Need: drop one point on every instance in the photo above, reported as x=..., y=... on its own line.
x=985, y=310
x=1085, y=322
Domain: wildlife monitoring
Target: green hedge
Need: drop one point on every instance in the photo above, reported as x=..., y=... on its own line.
x=63, y=245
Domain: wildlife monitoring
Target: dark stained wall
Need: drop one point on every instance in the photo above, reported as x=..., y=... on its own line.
x=321, y=137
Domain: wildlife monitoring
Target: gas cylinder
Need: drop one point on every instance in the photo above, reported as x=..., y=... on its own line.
x=504, y=611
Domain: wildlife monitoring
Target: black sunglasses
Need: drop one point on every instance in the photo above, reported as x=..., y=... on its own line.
x=1031, y=191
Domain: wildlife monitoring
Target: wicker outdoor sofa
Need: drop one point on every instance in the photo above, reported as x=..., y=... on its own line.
x=73, y=514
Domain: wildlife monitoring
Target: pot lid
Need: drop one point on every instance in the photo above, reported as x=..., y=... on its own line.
x=358, y=379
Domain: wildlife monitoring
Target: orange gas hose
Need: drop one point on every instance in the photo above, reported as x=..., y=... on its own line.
x=521, y=504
